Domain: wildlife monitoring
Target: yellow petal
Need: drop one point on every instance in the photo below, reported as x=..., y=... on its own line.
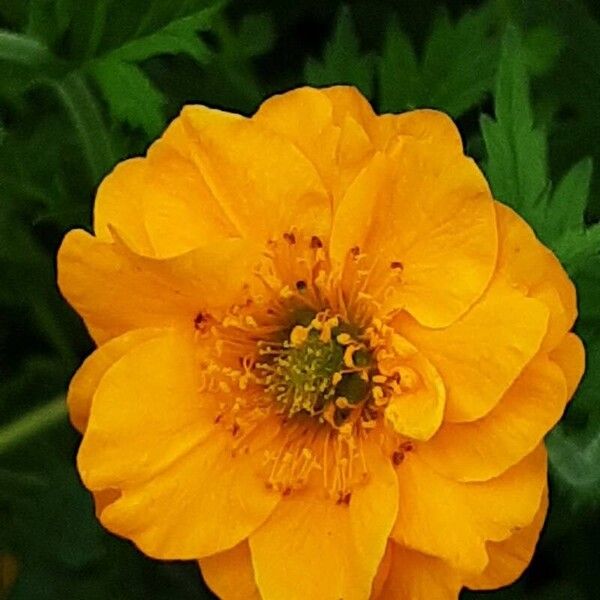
x=337, y=130
x=482, y=354
x=417, y=413
x=312, y=547
x=434, y=214
x=430, y=126
x=305, y=117
x=115, y=290
x=382, y=573
x=120, y=203
x=453, y=521
x=180, y=212
x=569, y=355
x=230, y=574
x=509, y=558
x=184, y=492
x=264, y=184
x=485, y=448
x=160, y=204
x=526, y=262
x=416, y=576
x=328, y=126
x=102, y=498
x=85, y=382
x=205, y=502
x=347, y=101
x=146, y=413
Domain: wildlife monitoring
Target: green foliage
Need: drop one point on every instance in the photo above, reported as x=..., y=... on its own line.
x=131, y=96
x=343, y=61
x=456, y=69
x=84, y=85
x=517, y=167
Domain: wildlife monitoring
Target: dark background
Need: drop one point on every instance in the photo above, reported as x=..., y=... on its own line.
x=86, y=83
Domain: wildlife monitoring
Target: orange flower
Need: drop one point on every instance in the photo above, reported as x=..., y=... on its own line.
x=327, y=357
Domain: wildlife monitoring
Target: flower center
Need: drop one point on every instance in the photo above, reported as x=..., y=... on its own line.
x=322, y=368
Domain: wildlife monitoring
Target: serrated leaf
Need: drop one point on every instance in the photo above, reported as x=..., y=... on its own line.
x=518, y=172
x=570, y=198
x=177, y=37
x=343, y=62
x=131, y=96
x=517, y=153
x=400, y=84
x=456, y=71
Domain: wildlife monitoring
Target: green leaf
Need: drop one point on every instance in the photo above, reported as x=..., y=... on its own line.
x=542, y=45
x=400, y=83
x=456, y=71
x=564, y=225
x=49, y=19
x=575, y=466
x=517, y=153
x=177, y=37
x=518, y=172
x=33, y=423
x=343, y=62
x=87, y=119
x=24, y=50
x=131, y=96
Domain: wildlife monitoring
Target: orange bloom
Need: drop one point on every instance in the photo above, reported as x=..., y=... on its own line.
x=327, y=358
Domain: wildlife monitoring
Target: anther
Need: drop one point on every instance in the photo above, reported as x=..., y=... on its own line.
x=200, y=321
x=315, y=242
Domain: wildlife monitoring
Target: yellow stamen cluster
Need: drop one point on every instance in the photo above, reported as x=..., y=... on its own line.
x=315, y=370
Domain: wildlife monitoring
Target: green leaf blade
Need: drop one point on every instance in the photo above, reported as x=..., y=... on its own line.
x=343, y=62
x=131, y=96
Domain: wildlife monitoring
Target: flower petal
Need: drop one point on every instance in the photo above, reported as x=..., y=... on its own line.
x=509, y=558
x=431, y=126
x=146, y=413
x=160, y=204
x=86, y=380
x=433, y=215
x=569, y=355
x=417, y=412
x=206, y=502
x=331, y=139
x=485, y=448
x=115, y=290
x=185, y=493
x=416, y=576
x=526, y=262
x=312, y=547
x=120, y=203
x=230, y=574
x=263, y=183
x=382, y=573
x=483, y=353
x=453, y=520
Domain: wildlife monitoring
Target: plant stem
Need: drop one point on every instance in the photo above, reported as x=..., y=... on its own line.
x=34, y=422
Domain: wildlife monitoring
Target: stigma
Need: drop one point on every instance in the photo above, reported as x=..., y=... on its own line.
x=320, y=369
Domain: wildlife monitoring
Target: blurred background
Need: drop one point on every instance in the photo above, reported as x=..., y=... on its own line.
x=86, y=83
